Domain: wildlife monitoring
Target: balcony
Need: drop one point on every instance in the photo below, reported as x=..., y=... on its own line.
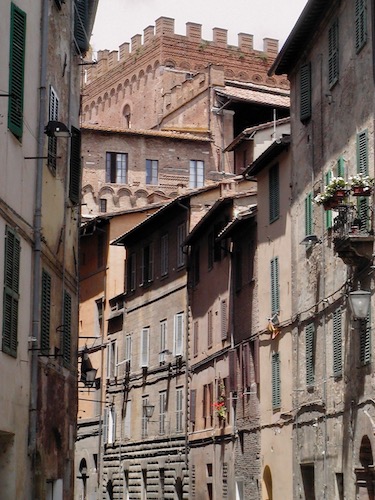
x=353, y=231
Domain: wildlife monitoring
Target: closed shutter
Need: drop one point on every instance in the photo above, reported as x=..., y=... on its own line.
x=209, y=329
x=362, y=152
x=255, y=351
x=333, y=53
x=179, y=409
x=337, y=342
x=178, y=334
x=365, y=340
x=360, y=24
x=341, y=167
x=196, y=337
x=144, y=347
x=75, y=167
x=67, y=328
x=274, y=197
x=45, y=320
x=16, y=70
x=275, y=295
x=276, y=394
x=224, y=319
x=308, y=215
x=105, y=426
x=310, y=354
x=128, y=419
x=193, y=405
x=11, y=292
x=328, y=213
x=305, y=92
x=232, y=370
x=246, y=365
x=81, y=25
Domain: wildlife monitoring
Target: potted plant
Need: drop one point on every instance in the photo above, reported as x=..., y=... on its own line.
x=361, y=185
x=334, y=193
x=220, y=408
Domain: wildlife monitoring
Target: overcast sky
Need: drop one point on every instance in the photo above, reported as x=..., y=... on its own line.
x=118, y=20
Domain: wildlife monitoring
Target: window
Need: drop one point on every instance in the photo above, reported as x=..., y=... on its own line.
x=131, y=273
x=128, y=352
x=328, y=213
x=195, y=338
x=109, y=425
x=209, y=329
x=147, y=264
x=179, y=409
x=112, y=360
x=103, y=205
x=337, y=342
x=275, y=294
x=276, y=394
x=16, y=70
x=363, y=168
x=224, y=319
x=67, y=328
x=163, y=342
x=178, y=335
x=308, y=481
x=195, y=266
x=164, y=255
x=53, y=114
x=193, y=405
x=162, y=411
x=45, y=319
x=305, y=92
x=274, y=199
x=181, y=235
x=333, y=53
x=145, y=339
x=144, y=417
x=75, y=166
x=365, y=341
x=81, y=19
x=309, y=214
x=360, y=24
x=196, y=174
x=310, y=354
x=116, y=168
x=98, y=317
x=11, y=292
x=152, y=167
x=208, y=404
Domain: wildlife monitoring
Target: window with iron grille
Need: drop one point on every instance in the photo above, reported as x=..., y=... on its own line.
x=337, y=342
x=11, y=292
x=274, y=194
x=310, y=354
x=305, y=92
x=333, y=53
x=360, y=24
x=116, y=168
x=16, y=70
x=276, y=381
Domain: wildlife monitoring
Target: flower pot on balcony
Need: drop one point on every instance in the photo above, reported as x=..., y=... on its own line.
x=340, y=194
x=361, y=191
x=331, y=204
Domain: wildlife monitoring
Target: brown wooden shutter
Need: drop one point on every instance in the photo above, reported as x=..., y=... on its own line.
x=255, y=353
x=193, y=404
x=246, y=365
x=232, y=370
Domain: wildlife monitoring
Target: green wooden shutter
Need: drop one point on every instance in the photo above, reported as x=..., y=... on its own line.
x=67, y=330
x=333, y=53
x=275, y=295
x=276, y=385
x=341, y=167
x=363, y=168
x=75, y=167
x=11, y=292
x=337, y=342
x=360, y=24
x=365, y=340
x=16, y=70
x=274, y=198
x=81, y=25
x=328, y=213
x=310, y=358
x=308, y=215
x=45, y=319
x=305, y=92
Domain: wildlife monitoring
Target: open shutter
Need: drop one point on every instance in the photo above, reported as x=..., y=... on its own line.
x=178, y=334
x=67, y=328
x=305, y=92
x=360, y=24
x=81, y=25
x=276, y=394
x=337, y=343
x=209, y=329
x=75, y=167
x=310, y=361
x=45, y=320
x=193, y=404
x=246, y=365
x=255, y=352
x=274, y=198
x=333, y=53
x=144, y=347
x=308, y=215
x=365, y=341
x=232, y=356
x=16, y=70
x=105, y=426
x=224, y=320
x=275, y=297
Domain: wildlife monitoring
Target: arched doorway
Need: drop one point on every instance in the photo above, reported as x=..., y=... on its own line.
x=365, y=474
x=267, y=483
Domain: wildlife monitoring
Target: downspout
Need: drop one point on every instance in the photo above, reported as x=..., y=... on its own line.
x=37, y=242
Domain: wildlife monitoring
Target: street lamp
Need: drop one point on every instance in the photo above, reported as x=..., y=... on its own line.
x=359, y=301
x=88, y=373
x=148, y=411
x=57, y=129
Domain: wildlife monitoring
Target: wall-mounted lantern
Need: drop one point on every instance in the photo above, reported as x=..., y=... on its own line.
x=359, y=301
x=148, y=411
x=88, y=373
x=57, y=129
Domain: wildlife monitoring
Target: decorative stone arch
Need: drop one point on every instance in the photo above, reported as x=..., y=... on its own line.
x=242, y=75
x=229, y=73
x=185, y=65
x=363, y=446
x=86, y=113
x=169, y=63
x=149, y=70
x=125, y=200
x=106, y=190
x=257, y=78
x=156, y=67
x=271, y=81
x=125, y=87
x=99, y=102
x=107, y=193
x=267, y=483
x=141, y=197
x=106, y=100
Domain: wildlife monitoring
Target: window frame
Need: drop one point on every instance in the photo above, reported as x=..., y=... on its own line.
x=152, y=172
x=114, y=174
x=360, y=24
x=53, y=115
x=196, y=173
x=274, y=193
x=333, y=53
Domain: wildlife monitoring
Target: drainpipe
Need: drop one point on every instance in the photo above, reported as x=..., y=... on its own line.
x=37, y=242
